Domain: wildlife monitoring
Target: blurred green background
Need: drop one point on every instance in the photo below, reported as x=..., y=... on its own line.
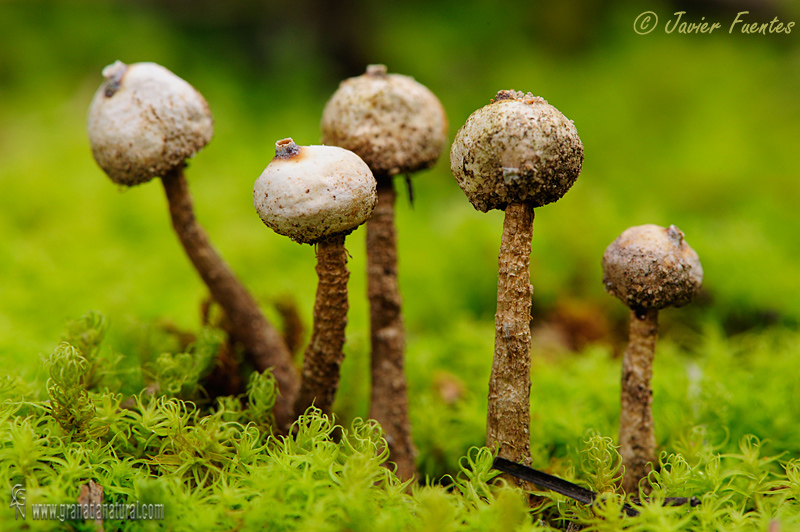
x=700, y=131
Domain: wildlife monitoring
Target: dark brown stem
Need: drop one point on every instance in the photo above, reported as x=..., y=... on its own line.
x=324, y=355
x=261, y=341
x=508, y=422
x=389, y=400
x=636, y=436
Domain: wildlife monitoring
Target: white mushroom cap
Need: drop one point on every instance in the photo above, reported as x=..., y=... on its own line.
x=394, y=123
x=311, y=192
x=652, y=267
x=145, y=121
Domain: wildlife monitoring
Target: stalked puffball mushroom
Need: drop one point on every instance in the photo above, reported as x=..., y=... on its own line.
x=397, y=126
x=144, y=122
x=648, y=268
x=318, y=195
x=515, y=154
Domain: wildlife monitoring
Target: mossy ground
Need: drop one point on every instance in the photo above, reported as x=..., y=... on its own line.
x=696, y=131
x=215, y=464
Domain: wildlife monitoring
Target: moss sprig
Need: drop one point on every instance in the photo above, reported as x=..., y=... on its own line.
x=67, y=387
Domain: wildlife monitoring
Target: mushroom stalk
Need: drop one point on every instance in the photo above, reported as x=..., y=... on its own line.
x=648, y=268
x=323, y=356
x=397, y=126
x=389, y=398
x=317, y=195
x=261, y=341
x=636, y=434
x=508, y=420
x=515, y=154
x=143, y=123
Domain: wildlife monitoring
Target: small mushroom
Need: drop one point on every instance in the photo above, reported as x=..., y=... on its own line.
x=648, y=268
x=515, y=154
x=144, y=122
x=318, y=195
x=397, y=126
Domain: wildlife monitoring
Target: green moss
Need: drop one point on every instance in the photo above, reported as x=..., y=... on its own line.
x=219, y=466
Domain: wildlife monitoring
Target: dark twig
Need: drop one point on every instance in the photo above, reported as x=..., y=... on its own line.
x=573, y=491
x=410, y=188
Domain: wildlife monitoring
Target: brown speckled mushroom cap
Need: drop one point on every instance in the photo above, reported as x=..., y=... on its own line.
x=145, y=121
x=518, y=148
x=311, y=192
x=395, y=124
x=652, y=267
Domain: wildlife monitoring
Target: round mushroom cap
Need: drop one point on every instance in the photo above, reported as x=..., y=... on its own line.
x=311, y=192
x=517, y=149
x=391, y=121
x=145, y=121
x=652, y=267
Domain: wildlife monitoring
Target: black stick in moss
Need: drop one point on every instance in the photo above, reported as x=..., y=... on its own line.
x=573, y=491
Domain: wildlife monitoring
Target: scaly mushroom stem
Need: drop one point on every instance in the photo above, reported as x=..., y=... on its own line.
x=389, y=400
x=324, y=355
x=261, y=341
x=636, y=435
x=508, y=420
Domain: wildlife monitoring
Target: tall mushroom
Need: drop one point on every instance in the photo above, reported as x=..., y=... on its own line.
x=397, y=126
x=649, y=268
x=144, y=122
x=515, y=154
x=318, y=195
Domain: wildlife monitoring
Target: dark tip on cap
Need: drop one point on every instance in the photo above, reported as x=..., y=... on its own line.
x=114, y=74
x=507, y=95
x=286, y=149
x=377, y=70
x=675, y=234
x=528, y=97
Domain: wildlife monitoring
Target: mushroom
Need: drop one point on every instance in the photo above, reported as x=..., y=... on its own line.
x=144, y=122
x=397, y=126
x=318, y=195
x=515, y=154
x=648, y=268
